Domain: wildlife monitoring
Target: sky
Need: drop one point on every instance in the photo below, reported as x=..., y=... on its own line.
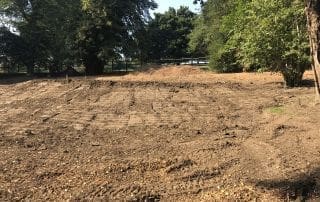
x=163, y=5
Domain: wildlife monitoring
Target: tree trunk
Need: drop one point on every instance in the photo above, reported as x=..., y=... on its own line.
x=293, y=75
x=93, y=65
x=313, y=18
x=30, y=67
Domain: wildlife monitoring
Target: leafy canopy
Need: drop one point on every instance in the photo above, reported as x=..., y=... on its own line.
x=255, y=34
x=168, y=34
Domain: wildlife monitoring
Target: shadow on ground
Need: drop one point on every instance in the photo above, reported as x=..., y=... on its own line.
x=308, y=83
x=8, y=79
x=303, y=187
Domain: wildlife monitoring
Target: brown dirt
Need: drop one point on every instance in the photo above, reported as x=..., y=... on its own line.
x=170, y=134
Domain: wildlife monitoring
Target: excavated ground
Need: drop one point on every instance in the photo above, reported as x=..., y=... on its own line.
x=175, y=134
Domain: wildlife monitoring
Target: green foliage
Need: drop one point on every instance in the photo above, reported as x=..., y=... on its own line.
x=198, y=38
x=109, y=30
x=276, y=110
x=168, y=34
x=275, y=37
x=14, y=48
x=255, y=34
x=209, y=34
x=48, y=27
x=62, y=33
x=238, y=35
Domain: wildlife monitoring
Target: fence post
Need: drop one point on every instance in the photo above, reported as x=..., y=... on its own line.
x=126, y=66
x=112, y=66
x=140, y=61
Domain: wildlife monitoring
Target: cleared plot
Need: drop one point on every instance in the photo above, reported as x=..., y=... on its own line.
x=123, y=139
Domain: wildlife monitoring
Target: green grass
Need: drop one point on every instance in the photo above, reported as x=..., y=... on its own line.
x=276, y=110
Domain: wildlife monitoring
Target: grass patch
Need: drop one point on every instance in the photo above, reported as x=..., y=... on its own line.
x=276, y=110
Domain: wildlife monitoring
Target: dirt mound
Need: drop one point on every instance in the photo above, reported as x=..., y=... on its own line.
x=166, y=71
x=173, y=73
x=187, y=73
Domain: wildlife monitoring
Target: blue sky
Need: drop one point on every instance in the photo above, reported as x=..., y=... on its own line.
x=163, y=5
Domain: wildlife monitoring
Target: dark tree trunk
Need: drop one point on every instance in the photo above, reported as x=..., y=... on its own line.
x=293, y=75
x=93, y=65
x=30, y=71
x=30, y=68
x=313, y=17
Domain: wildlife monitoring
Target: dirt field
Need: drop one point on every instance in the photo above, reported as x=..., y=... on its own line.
x=176, y=134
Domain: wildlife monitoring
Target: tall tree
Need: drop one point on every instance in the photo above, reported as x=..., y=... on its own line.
x=274, y=36
x=109, y=29
x=61, y=33
x=48, y=27
x=14, y=51
x=269, y=35
x=199, y=40
x=168, y=34
x=210, y=35
x=313, y=18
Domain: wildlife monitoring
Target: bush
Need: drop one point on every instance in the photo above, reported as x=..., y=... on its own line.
x=225, y=62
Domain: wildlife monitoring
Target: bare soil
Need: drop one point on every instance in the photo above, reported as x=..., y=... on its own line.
x=174, y=134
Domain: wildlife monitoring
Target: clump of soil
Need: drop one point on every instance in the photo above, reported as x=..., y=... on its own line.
x=163, y=72
x=174, y=71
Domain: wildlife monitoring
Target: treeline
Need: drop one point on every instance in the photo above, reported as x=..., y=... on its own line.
x=237, y=35
x=59, y=34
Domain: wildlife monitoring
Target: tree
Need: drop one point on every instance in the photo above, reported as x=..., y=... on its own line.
x=312, y=9
x=168, y=34
x=198, y=38
x=269, y=35
x=63, y=33
x=48, y=27
x=273, y=35
x=13, y=49
x=209, y=35
x=109, y=29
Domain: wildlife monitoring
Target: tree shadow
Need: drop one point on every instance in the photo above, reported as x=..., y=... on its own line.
x=8, y=79
x=308, y=83
x=303, y=187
